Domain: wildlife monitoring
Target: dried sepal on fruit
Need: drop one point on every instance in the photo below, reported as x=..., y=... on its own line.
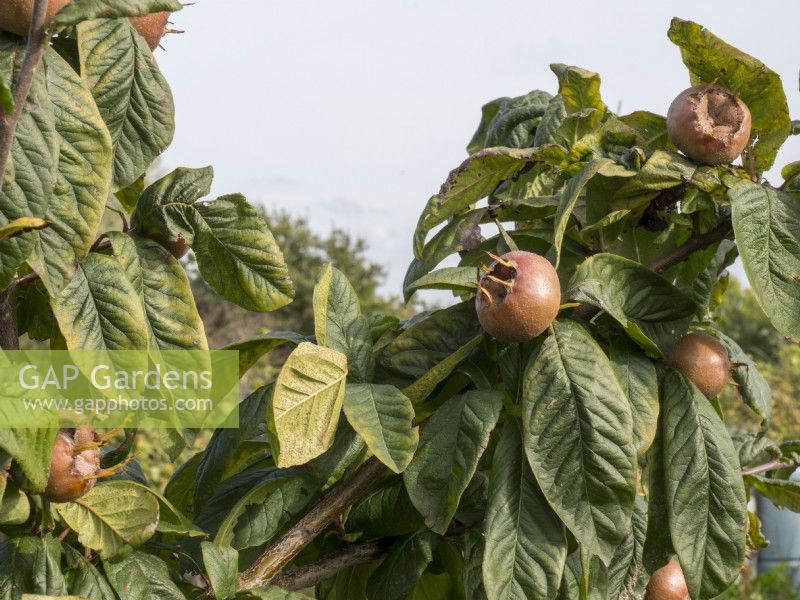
x=709, y=124
x=704, y=360
x=75, y=464
x=518, y=297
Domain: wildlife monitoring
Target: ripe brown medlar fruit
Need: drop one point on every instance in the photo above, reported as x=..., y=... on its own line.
x=151, y=27
x=15, y=15
x=667, y=583
x=178, y=248
x=75, y=464
x=703, y=360
x=519, y=295
x=709, y=124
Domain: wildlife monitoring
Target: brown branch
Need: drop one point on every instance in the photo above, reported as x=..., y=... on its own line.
x=310, y=575
x=671, y=258
x=281, y=553
x=692, y=245
x=34, y=50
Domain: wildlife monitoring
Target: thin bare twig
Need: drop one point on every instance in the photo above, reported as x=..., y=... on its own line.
x=770, y=466
x=310, y=575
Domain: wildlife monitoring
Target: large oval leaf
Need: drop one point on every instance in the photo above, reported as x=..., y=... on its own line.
x=306, y=404
x=112, y=515
x=767, y=226
x=83, y=180
x=27, y=184
x=451, y=443
x=526, y=544
x=142, y=576
x=235, y=250
x=31, y=449
x=164, y=292
x=706, y=500
x=578, y=438
x=132, y=95
x=339, y=324
x=99, y=309
x=383, y=417
x=395, y=577
x=644, y=303
x=31, y=564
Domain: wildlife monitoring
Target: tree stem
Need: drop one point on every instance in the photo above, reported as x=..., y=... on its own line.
x=328, y=566
x=281, y=553
x=34, y=50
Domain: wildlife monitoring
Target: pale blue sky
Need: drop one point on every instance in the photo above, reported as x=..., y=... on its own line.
x=352, y=113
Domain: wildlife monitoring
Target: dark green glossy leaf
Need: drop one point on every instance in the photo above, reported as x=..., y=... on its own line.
x=451, y=443
x=384, y=512
x=404, y=564
x=578, y=438
x=140, y=575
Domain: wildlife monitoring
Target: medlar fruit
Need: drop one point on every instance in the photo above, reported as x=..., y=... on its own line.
x=75, y=464
x=703, y=360
x=178, y=248
x=15, y=15
x=519, y=295
x=151, y=27
x=667, y=583
x=709, y=124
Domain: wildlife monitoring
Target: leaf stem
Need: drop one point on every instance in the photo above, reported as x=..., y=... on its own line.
x=770, y=466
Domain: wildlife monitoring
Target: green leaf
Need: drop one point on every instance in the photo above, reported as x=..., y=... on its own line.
x=266, y=509
x=662, y=171
x=27, y=184
x=275, y=593
x=781, y=492
x=526, y=544
x=133, y=97
x=637, y=376
x=235, y=250
x=652, y=127
x=31, y=564
x=15, y=508
x=99, y=309
x=348, y=584
x=31, y=449
x=475, y=178
x=459, y=279
x=569, y=196
x=751, y=385
x=252, y=349
x=578, y=438
x=473, y=564
x=112, y=515
x=383, y=417
x=83, y=579
x=222, y=567
x=431, y=340
x=83, y=180
x=22, y=225
x=705, y=496
x=767, y=226
x=579, y=89
x=709, y=59
x=170, y=519
x=626, y=570
x=339, y=324
x=306, y=403
x=515, y=123
x=164, y=291
x=639, y=299
x=451, y=443
x=385, y=512
x=142, y=576
x=422, y=387
x=84, y=10
x=224, y=444
x=6, y=95
x=488, y=113
x=395, y=577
